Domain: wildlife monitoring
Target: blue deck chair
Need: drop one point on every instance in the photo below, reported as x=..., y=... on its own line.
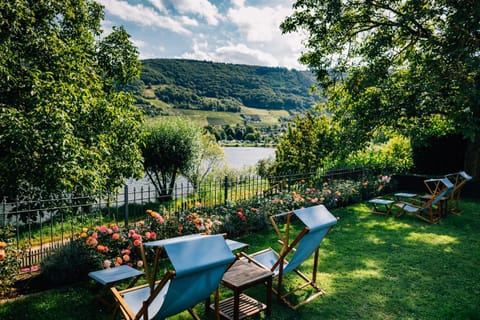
x=431, y=208
x=199, y=264
x=317, y=221
x=459, y=179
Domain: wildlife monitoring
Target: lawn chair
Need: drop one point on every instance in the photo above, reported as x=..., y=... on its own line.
x=459, y=179
x=432, y=207
x=199, y=264
x=317, y=222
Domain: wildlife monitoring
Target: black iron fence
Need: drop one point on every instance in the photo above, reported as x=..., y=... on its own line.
x=43, y=225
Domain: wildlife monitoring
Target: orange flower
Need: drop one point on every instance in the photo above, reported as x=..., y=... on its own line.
x=92, y=242
x=126, y=258
x=3, y=244
x=118, y=260
x=2, y=254
x=137, y=242
x=115, y=236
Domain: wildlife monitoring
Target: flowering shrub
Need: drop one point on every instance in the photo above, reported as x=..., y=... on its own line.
x=332, y=193
x=242, y=217
x=9, y=261
x=115, y=246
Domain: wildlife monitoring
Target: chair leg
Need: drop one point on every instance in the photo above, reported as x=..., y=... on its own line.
x=193, y=314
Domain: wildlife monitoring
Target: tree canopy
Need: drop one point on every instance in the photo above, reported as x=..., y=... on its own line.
x=306, y=145
x=409, y=65
x=63, y=127
x=172, y=146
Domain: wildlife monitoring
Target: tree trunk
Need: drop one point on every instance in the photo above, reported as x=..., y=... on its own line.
x=472, y=159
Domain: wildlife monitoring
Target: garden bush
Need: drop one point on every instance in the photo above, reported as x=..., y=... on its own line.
x=69, y=264
x=9, y=261
x=109, y=245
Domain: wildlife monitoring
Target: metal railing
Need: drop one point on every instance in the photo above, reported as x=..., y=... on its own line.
x=43, y=225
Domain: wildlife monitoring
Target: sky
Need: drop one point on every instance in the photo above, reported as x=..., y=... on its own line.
x=230, y=31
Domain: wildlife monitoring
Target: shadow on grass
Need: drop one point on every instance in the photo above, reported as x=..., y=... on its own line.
x=371, y=267
x=386, y=268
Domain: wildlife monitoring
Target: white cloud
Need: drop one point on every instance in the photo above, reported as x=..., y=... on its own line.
x=238, y=3
x=235, y=53
x=159, y=5
x=138, y=43
x=147, y=52
x=189, y=21
x=249, y=33
x=240, y=53
x=202, y=8
x=258, y=24
x=142, y=15
x=259, y=29
x=107, y=27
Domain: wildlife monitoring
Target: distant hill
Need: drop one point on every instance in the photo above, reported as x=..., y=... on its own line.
x=212, y=86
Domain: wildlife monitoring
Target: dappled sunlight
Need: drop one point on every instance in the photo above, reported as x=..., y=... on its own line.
x=431, y=238
x=371, y=270
x=374, y=239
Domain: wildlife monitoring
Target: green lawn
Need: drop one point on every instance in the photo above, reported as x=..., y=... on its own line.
x=371, y=267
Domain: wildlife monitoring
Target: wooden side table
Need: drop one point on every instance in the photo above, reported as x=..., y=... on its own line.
x=387, y=206
x=241, y=276
x=111, y=276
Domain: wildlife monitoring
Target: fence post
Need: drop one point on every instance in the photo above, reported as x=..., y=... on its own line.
x=288, y=182
x=226, y=190
x=3, y=216
x=125, y=196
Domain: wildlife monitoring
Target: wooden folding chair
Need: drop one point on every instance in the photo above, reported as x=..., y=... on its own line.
x=199, y=264
x=459, y=179
x=317, y=222
x=431, y=208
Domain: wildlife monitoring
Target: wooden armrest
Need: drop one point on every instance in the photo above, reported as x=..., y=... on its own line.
x=250, y=259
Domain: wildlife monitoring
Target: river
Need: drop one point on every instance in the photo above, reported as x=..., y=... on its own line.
x=239, y=157
x=235, y=157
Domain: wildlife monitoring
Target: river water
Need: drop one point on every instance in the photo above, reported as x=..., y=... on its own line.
x=235, y=158
x=239, y=157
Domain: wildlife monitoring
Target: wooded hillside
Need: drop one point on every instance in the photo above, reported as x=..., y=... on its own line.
x=203, y=85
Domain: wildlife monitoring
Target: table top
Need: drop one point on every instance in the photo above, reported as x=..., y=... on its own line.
x=405, y=195
x=380, y=201
x=112, y=275
x=242, y=274
x=232, y=244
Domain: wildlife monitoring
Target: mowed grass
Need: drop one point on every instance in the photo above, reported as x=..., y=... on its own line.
x=371, y=267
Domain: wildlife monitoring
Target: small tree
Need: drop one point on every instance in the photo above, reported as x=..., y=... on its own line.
x=172, y=146
x=306, y=145
x=210, y=156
